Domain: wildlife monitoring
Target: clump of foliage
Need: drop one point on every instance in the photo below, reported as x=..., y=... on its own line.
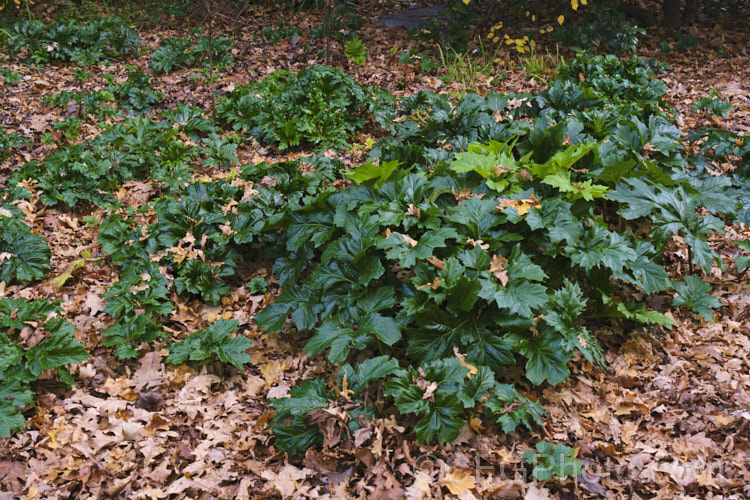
x=216, y=340
x=319, y=105
x=83, y=44
x=9, y=142
x=604, y=27
x=482, y=234
x=686, y=42
x=712, y=104
x=355, y=51
x=76, y=173
x=70, y=127
x=20, y=365
x=494, y=251
x=549, y=460
x=95, y=104
x=136, y=94
x=136, y=302
x=133, y=149
x=274, y=35
x=24, y=256
x=410, y=57
x=200, y=240
x=184, y=52
x=9, y=77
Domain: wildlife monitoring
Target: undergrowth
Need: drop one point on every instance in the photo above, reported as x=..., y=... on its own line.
x=481, y=233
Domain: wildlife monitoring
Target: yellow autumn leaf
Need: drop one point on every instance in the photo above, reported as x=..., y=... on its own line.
x=521, y=206
x=561, y=20
x=459, y=482
x=467, y=2
x=473, y=370
x=574, y=4
x=273, y=371
x=476, y=424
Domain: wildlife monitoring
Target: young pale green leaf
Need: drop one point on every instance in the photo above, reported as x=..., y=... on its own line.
x=369, y=171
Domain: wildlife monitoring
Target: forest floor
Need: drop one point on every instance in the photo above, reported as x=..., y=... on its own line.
x=668, y=418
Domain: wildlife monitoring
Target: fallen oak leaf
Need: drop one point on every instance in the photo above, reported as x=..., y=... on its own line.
x=459, y=482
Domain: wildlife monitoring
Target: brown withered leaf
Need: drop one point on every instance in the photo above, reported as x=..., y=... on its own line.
x=12, y=475
x=497, y=268
x=500, y=170
x=331, y=423
x=436, y=262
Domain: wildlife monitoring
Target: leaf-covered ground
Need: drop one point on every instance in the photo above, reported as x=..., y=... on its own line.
x=667, y=419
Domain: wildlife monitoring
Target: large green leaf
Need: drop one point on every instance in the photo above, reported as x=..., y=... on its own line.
x=29, y=256
x=14, y=397
x=547, y=360
x=59, y=349
x=695, y=294
x=519, y=296
x=437, y=332
x=442, y=420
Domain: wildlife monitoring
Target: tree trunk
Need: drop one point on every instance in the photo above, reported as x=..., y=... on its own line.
x=688, y=12
x=645, y=18
x=671, y=11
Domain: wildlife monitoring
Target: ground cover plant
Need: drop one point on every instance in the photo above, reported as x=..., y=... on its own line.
x=83, y=44
x=300, y=282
